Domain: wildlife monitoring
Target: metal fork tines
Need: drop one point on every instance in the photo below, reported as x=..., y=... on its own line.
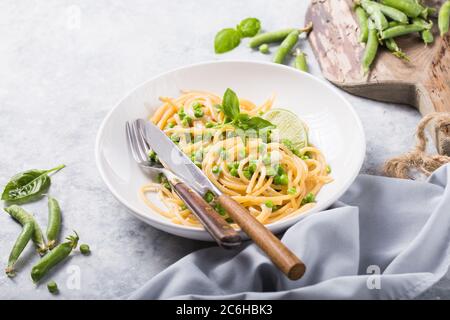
x=219, y=229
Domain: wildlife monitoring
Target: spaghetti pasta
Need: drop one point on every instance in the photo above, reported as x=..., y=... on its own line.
x=264, y=175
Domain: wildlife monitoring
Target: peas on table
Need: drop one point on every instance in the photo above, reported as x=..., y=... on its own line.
x=52, y=287
x=264, y=48
x=85, y=250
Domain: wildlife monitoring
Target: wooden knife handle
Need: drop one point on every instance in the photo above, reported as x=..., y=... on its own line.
x=280, y=255
x=213, y=222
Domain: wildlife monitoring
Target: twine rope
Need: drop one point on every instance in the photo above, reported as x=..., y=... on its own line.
x=401, y=166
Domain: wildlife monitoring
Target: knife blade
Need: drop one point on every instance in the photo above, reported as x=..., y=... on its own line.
x=178, y=162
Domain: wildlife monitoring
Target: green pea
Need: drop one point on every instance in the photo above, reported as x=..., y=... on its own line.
x=219, y=209
x=264, y=48
x=286, y=46
x=175, y=138
x=85, y=250
x=216, y=170
x=281, y=179
x=269, y=204
x=181, y=113
x=234, y=172
x=187, y=121
x=328, y=169
x=54, y=222
x=198, y=113
x=252, y=167
x=171, y=125
x=151, y=155
x=444, y=18
x=292, y=190
x=363, y=24
x=247, y=174
x=209, y=197
x=309, y=198
x=52, y=287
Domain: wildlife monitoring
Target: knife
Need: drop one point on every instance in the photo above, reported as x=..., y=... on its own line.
x=214, y=223
x=182, y=166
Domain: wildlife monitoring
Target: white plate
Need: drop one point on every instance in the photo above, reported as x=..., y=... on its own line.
x=334, y=128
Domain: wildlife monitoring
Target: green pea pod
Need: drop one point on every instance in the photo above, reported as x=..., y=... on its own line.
x=427, y=36
x=275, y=36
x=363, y=24
x=54, y=222
x=371, y=49
x=58, y=254
x=410, y=7
x=300, y=61
x=395, y=49
x=375, y=13
x=401, y=30
x=21, y=216
x=444, y=18
x=392, y=13
x=286, y=46
x=20, y=244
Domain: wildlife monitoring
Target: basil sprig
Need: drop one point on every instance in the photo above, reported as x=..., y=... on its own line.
x=249, y=27
x=227, y=39
x=231, y=109
x=28, y=186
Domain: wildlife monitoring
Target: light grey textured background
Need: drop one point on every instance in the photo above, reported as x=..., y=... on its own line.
x=64, y=64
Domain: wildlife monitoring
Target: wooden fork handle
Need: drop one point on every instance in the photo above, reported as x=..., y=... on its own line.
x=280, y=255
x=213, y=222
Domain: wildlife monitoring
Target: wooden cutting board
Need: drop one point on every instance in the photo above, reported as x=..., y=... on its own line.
x=423, y=83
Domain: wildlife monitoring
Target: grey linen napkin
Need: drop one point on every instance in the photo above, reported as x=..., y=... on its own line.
x=385, y=239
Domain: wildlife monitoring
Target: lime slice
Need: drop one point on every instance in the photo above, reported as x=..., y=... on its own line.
x=290, y=126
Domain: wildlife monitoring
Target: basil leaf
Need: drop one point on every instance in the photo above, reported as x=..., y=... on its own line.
x=249, y=27
x=226, y=40
x=230, y=104
x=27, y=186
x=258, y=123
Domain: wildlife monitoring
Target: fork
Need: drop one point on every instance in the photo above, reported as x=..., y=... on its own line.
x=214, y=223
